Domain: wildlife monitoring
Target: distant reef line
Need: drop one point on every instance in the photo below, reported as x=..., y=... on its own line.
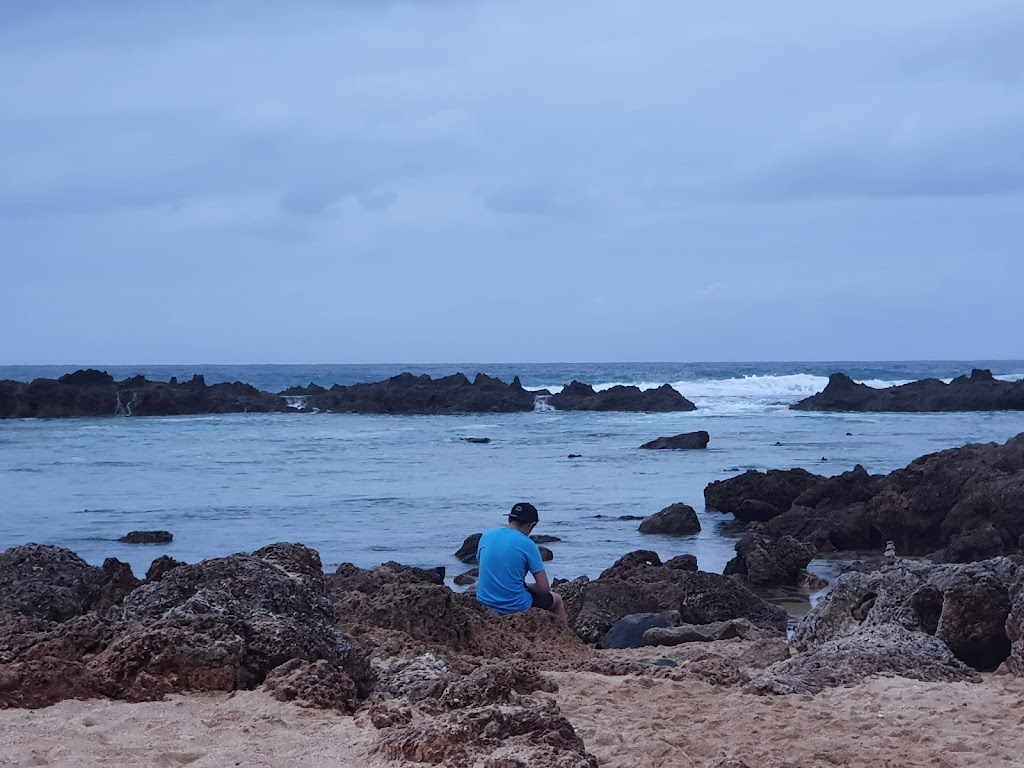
x=91, y=393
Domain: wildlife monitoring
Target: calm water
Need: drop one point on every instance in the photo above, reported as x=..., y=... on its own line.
x=366, y=489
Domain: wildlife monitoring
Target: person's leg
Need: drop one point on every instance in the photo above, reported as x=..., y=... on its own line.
x=558, y=608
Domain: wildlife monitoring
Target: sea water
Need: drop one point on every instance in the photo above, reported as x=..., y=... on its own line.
x=368, y=489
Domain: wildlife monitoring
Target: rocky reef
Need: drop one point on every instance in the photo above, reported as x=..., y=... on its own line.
x=958, y=505
x=978, y=392
x=578, y=396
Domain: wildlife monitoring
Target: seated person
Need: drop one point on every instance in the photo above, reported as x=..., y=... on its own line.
x=506, y=555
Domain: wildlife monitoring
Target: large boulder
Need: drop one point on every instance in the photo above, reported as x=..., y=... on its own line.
x=676, y=520
x=577, y=396
x=966, y=606
x=777, y=488
x=765, y=562
x=980, y=391
x=47, y=582
x=886, y=649
x=684, y=442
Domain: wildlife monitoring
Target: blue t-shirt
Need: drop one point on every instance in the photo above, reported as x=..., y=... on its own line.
x=505, y=556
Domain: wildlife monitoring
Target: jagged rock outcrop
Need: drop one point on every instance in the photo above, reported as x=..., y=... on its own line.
x=676, y=520
x=886, y=649
x=1015, y=628
x=95, y=393
x=160, y=566
x=639, y=583
x=966, y=606
x=578, y=396
x=978, y=392
x=771, y=493
x=407, y=393
x=47, y=582
x=684, y=442
x=957, y=505
x=766, y=562
x=218, y=625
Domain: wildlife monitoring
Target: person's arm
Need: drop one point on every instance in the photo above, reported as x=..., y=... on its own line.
x=542, y=585
x=535, y=564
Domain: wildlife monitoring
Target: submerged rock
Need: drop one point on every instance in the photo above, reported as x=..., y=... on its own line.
x=147, y=537
x=686, y=441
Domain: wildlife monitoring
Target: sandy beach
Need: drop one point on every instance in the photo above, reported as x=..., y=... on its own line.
x=627, y=722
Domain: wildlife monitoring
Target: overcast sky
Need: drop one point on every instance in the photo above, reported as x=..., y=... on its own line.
x=591, y=180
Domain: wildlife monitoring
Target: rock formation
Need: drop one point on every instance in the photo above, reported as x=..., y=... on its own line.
x=978, y=392
x=577, y=396
x=676, y=520
x=764, y=562
x=685, y=441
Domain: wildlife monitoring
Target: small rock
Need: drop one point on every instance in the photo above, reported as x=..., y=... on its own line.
x=677, y=520
x=629, y=631
x=477, y=440
x=147, y=537
x=467, y=552
x=686, y=441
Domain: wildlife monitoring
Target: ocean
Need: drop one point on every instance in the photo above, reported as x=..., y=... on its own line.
x=368, y=489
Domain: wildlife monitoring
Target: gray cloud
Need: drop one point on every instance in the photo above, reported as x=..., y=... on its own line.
x=313, y=164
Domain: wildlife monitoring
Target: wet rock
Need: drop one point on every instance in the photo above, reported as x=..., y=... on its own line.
x=543, y=539
x=885, y=649
x=147, y=537
x=706, y=633
x=765, y=562
x=965, y=605
x=686, y=441
x=777, y=488
x=978, y=392
x=546, y=554
x=160, y=566
x=577, y=396
x=676, y=520
x=477, y=440
x=467, y=578
x=467, y=552
x=47, y=582
x=756, y=511
x=628, y=632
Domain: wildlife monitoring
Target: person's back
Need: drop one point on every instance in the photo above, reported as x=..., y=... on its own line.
x=506, y=556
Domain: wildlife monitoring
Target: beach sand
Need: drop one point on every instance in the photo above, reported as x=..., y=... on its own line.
x=634, y=722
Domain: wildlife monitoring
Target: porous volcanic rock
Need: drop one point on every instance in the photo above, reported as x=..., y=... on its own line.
x=118, y=581
x=706, y=633
x=684, y=442
x=978, y=392
x=639, y=583
x=95, y=393
x=766, y=562
x=966, y=606
x=578, y=396
x=317, y=684
x=676, y=520
x=1015, y=628
x=47, y=582
x=160, y=566
x=885, y=649
x=407, y=393
x=777, y=488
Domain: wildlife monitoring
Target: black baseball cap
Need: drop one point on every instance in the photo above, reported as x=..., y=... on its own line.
x=524, y=512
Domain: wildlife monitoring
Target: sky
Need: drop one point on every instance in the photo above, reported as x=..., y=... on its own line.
x=473, y=180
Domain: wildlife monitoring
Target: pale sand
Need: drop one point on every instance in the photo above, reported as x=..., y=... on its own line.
x=626, y=721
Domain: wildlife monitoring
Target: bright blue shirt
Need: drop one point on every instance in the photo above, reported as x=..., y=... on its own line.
x=505, y=556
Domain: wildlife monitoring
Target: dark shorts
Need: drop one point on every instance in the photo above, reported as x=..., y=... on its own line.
x=542, y=600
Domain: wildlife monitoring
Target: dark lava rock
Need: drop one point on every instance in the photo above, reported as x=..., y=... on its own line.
x=467, y=578
x=683, y=563
x=407, y=393
x=476, y=440
x=467, y=552
x=546, y=554
x=628, y=632
x=685, y=441
x=118, y=581
x=639, y=583
x=777, y=488
x=676, y=520
x=978, y=392
x=961, y=504
x=764, y=562
x=966, y=606
x=582, y=397
x=95, y=393
x=1015, y=628
x=543, y=539
x=147, y=537
x=47, y=582
x=160, y=566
